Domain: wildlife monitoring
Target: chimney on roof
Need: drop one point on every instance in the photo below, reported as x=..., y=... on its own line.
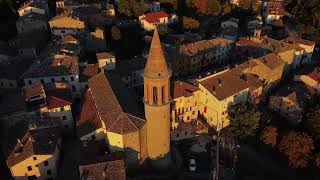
x=214, y=89
x=220, y=82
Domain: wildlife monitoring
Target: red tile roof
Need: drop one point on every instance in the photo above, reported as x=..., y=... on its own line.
x=230, y=83
x=33, y=90
x=68, y=38
x=315, y=75
x=58, y=98
x=54, y=102
x=104, y=55
x=101, y=103
x=89, y=112
x=183, y=89
x=154, y=17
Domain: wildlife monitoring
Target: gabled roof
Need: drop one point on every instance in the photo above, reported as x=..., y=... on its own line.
x=54, y=102
x=154, y=17
x=184, y=89
x=230, y=82
x=114, y=170
x=33, y=90
x=88, y=71
x=101, y=102
x=104, y=55
x=53, y=66
x=58, y=98
x=69, y=39
x=35, y=142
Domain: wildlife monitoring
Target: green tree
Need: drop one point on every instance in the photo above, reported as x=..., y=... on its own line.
x=269, y=136
x=162, y=32
x=124, y=8
x=298, y=148
x=244, y=119
x=313, y=120
x=115, y=33
x=138, y=8
x=190, y=24
x=214, y=7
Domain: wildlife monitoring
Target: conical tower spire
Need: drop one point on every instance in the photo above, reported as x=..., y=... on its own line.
x=156, y=66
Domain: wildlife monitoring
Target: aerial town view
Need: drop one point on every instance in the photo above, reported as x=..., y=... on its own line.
x=160, y=89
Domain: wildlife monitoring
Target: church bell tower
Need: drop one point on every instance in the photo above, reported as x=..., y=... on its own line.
x=156, y=99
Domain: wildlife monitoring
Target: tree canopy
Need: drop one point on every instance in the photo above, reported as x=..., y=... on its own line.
x=308, y=12
x=132, y=8
x=190, y=24
x=244, y=119
x=269, y=135
x=298, y=148
x=205, y=7
x=313, y=120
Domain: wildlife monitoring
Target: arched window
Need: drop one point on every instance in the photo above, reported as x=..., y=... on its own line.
x=162, y=94
x=155, y=93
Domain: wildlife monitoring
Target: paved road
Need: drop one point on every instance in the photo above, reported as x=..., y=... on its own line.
x=259, y=166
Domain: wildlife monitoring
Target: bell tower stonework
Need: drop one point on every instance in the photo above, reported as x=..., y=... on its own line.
x=157, y=101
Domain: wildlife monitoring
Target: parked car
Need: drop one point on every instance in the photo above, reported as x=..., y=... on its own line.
x=192, y=165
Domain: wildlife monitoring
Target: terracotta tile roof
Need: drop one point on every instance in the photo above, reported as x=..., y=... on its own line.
x=104, y=55
x=183, y=89
x=88, y=71
x=100, y=101
x=89, y=114
x=154, y=17
x=35, y=142
x=53, y=66
x=156, y=66
x=272, y=61
x=58, y=97
x=33, y=90
x=69, y=39
x=299, y=41
x=315, y=75
x=114, y=170
x=54, y=102
x=280, y=12
x=230, y=83
x=192, y=49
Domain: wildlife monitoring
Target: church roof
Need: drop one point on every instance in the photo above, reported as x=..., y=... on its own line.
x=156, y=66
x=101, y=100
